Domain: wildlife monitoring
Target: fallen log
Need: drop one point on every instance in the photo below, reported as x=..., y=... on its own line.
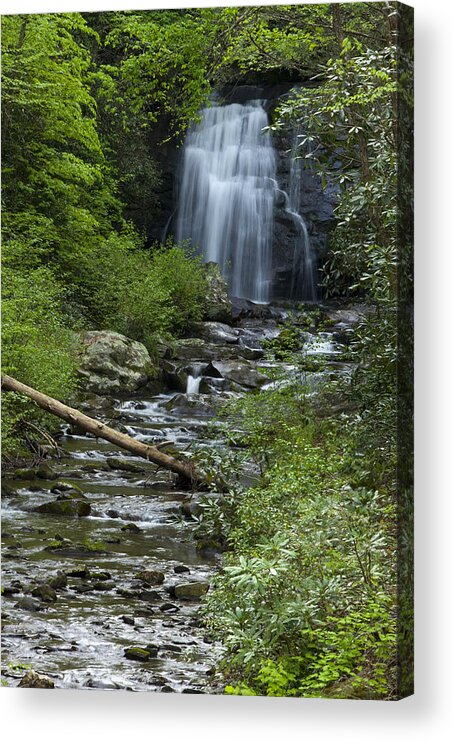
x=185, y=469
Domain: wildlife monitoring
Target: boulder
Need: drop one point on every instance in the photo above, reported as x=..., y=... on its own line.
x=192, y=405
x=243, y=308
x=151, y=576
x=242, y=372
x=191, y=590
x=46, y=593
x=112, y=363
x=219, y=308
x=68, y=506
x=215, y=332
x=141, y=654
x=29, y=604
x=32, y=679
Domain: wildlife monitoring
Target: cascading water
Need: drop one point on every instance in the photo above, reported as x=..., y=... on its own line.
x=227, y=195
x=303, y=272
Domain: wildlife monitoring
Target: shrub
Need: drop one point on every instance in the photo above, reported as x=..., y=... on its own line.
x=38, y=348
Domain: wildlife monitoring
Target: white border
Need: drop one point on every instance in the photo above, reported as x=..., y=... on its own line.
x=90, y=715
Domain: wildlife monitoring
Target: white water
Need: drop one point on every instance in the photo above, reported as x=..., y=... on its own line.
x=303, y=273
x=228, y=188
x=193, y=384
x=227, y=195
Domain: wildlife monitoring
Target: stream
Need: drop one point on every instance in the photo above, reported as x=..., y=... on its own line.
x=128, y=576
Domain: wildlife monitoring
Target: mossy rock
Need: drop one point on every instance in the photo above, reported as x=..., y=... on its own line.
x=191, y=590
x=151, y=576
x=45, y=592
x=68, y=507
x=141, y=654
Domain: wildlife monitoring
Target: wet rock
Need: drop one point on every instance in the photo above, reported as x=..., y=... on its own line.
x=102, y=684
x=241, y=372
x=84, y=587
x=67, y=489
x=149, y=596
x=191, y=590
x=58, y=581
x=215, y=332
x=29, y=604
x=125, y=465
x=8, y=590
x=131, y=528
x=45, y=592
x=66, y=506
x=82, y=572
x=101, y=575
x=218, y=305
x=196, y=349
x=41, y=472
x=188, y=405
x=243, y=308
x=141, y=654
x=112, y=363
x=151, y=576
x=103, y=585
x=33, y=680
x=112, y=513
x=46, y=472
x=181, y=569
x=169, y=608
x=193, y=691
x=129, y=620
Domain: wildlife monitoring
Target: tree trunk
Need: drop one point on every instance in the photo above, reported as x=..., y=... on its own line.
x=184, y=469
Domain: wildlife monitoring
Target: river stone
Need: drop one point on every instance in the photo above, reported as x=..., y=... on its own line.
x=191, y=590
x=58, y=581
x=33, y=680
x=112, y=363
x=29, y=604
x=188, y=405
x=46, y=593
x=141, y=654
x=180, y=569
x=242, y=372
x=66, y=506
x=125, y=465
x=131, y=528
x=218, y=305
x=67, y=488
x=215, y=332
x=151, y=576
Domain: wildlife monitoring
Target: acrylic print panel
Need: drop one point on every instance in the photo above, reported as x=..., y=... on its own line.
x=207, y=350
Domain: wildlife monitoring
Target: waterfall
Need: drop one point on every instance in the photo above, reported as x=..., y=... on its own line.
x=226, y=202
x=303, y=269
x=227, y=195
x=192, y=384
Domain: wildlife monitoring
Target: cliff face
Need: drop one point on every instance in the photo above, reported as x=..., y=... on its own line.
x=310, y=200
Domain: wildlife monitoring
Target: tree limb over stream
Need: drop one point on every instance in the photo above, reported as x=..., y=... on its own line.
x=185, y=469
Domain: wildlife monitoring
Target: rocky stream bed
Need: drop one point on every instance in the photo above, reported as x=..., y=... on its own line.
x=102, y=579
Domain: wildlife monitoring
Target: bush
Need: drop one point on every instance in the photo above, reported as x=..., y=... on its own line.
x=38, y=348
x=142, y=293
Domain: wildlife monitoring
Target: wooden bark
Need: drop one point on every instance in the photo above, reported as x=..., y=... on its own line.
x=184, y=469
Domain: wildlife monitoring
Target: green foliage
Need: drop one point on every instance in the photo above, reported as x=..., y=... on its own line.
x=37, y=347
x=143, y=293
x=304, y=601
